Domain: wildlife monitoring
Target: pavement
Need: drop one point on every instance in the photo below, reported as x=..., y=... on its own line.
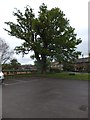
x=44, y=98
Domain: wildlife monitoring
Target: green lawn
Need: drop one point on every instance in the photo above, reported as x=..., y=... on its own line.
x=62, y=75
x=76, y=76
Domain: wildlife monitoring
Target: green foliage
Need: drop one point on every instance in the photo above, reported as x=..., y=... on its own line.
x=68, y=67
x=13, y=65
x=49, y=35
x=6, y=66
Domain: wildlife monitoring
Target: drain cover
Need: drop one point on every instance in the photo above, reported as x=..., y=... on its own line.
x=83, y=108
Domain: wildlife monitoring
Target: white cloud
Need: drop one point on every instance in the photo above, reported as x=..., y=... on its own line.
x=24, y=60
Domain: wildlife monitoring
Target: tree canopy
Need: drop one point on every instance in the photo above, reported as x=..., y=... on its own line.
x=49, y=35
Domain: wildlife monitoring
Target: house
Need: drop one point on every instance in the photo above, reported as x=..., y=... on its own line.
x=57, y=65
x=79, y=65
x=82, y=64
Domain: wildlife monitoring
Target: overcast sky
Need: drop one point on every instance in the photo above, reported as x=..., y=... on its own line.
x=75, y=10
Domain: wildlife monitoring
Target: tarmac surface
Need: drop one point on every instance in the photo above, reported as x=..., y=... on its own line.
x=44, y=98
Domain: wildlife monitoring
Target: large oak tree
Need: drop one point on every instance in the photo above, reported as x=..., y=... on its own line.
x=49, y=35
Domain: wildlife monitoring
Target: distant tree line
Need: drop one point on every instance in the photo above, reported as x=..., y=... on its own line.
x=12, y=65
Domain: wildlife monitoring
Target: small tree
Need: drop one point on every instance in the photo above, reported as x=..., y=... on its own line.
x=5, y=52
x=14, y=64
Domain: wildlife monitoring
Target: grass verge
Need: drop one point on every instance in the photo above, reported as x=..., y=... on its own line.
x=62, y=75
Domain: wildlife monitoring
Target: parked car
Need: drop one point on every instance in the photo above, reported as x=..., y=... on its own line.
x=1, y=77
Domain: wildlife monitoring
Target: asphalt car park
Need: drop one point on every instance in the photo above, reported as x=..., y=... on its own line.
x=44, y=98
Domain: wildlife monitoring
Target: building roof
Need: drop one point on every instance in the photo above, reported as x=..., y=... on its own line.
x=84, y=60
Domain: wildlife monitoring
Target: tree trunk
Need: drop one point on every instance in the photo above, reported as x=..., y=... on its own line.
x=44, y=64
x=41, y=62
